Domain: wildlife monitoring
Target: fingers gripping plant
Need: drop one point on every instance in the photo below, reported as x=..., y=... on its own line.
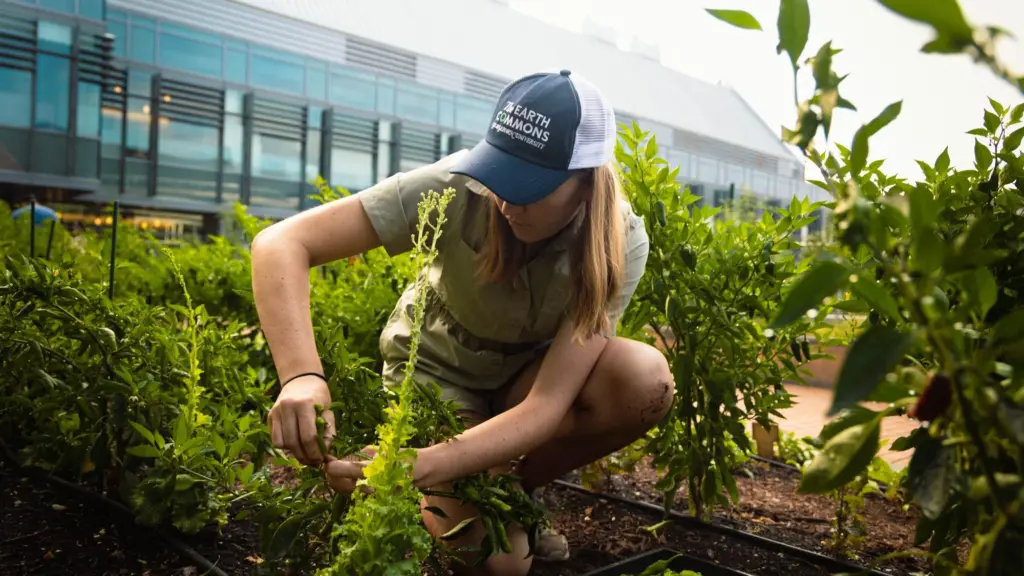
x=382, y=532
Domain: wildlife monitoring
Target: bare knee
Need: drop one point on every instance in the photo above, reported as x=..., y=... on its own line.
x=632, y=384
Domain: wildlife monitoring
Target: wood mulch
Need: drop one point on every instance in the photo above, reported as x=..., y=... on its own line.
x=770, y=506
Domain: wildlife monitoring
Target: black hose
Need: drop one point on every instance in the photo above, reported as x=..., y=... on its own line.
x=815, y=558
x=181, y=547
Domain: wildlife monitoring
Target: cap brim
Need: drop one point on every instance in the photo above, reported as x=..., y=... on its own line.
x=512, y=179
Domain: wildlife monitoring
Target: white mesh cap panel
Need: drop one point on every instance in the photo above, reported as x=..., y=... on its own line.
x=595, y=137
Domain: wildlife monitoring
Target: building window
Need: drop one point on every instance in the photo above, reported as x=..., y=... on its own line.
x=416, y=103
x=316, y=82
x=707, y=170
x=140, y=83
x=53, y=75
x=735, y=175
x=761, y=183
x=119, y=30
x=446, y=111
x=680, y=159
x=385, y=130
x=386, y=96
x=54, y=37
x=277, y=71
x=722, y=197
x=58, y=5
x=15, y=97
x=237, y=66
x=110, y=150
x=314, y=139
x=419, y=148
x=276, y=158
x=233, y=144
x=233, y=152
x=351, y=169
x=353, y=89
x=91, y=9
x=188, y=160
x=472, y=115
x=138, y=128
x=88, y=113
x=190, y=55
x=143, y=47
x=188, y=145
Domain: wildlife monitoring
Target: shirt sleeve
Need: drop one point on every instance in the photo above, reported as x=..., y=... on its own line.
x=637, y=249
x=393, y=204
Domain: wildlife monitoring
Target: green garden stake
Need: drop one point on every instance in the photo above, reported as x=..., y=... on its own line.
x=113, y=253
x=32, y=230
x=49, y=243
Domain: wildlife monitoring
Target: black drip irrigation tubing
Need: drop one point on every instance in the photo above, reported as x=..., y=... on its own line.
x=820, y=560
x=182, y=548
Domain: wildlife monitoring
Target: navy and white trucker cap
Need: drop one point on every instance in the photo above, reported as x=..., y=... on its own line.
x=545, y=127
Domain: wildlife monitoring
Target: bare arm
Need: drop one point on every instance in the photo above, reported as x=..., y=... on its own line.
x=524, y=427
x=282, y=256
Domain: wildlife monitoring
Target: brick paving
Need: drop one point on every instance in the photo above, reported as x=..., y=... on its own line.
x=807, y=417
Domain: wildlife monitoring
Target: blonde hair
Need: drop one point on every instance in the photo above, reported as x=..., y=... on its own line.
x=596, y=257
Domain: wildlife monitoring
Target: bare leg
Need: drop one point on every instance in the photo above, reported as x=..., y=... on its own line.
x=629, y=390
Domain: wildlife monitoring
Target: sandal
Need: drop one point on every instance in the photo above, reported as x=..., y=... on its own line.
x=551, y=546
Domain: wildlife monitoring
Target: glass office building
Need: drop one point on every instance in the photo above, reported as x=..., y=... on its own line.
x=99, y=102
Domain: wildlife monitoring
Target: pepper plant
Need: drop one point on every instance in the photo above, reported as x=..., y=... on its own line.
x=709, y=287
x=938, y=266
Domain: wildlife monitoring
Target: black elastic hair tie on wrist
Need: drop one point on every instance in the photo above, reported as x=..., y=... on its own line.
x=317, y=374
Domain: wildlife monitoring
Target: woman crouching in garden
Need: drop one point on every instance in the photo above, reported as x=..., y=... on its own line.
x=537, y=261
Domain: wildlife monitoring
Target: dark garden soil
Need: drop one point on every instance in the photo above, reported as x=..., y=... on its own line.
x=50, y=530
x=771, y=507
x=47, y=529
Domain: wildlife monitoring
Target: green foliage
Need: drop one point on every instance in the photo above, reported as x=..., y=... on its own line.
x=937, y=265
x=661, y=568
x=598, y=474
x=160, y=397
x=381, y=533
x=737, y=18
x=710, y=285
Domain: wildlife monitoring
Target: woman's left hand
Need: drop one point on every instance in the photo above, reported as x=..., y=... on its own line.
x=344, y=473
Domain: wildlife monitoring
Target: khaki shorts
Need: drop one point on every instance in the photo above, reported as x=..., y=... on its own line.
x=473, y=403
x=481, y=402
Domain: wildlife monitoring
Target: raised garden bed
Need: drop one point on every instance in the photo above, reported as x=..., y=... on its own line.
x=50, y=526
x=771, y=507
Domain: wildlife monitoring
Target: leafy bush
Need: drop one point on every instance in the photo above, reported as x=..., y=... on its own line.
x=938, y=266
x=710, y=285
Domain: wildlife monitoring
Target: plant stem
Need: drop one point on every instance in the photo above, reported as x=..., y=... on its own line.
x=972, y=428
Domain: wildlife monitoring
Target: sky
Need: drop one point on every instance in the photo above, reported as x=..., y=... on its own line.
x=943, y=96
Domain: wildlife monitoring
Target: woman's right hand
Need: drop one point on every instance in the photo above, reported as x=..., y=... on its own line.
x=292, y=420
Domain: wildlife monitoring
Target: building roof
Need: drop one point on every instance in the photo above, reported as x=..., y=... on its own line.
x=490, y=37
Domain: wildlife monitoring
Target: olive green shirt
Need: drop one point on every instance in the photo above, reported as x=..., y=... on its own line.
x=477, y=335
